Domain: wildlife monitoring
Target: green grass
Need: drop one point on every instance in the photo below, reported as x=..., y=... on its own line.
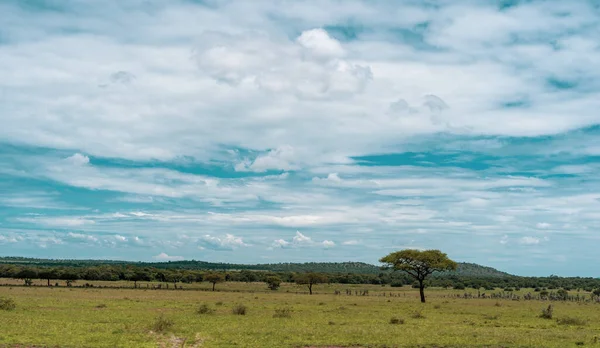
x=77, y=317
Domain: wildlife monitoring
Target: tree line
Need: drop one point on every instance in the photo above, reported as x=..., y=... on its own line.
x=133, y=273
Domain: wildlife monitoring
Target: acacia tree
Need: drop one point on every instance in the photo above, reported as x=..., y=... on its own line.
x=310, y=279
x=48, y=274
x=419, y=264
x=214, y=278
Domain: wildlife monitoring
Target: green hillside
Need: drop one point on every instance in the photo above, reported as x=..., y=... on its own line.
x=464, y=269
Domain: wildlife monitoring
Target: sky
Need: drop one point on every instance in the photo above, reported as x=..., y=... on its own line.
x=300, y=131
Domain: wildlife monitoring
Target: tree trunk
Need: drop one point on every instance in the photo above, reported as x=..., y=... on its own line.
x=214, y=286
x=422, y=290
x=135, y=284
x=48, y=281
x=310, y=289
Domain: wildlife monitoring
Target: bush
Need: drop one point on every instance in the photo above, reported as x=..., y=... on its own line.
x=273, y=282
x=459, y=286
x=547, y=313
x=204, y=309
x=396, y=321
x=239, y=310
x=596, y=292
x=396, y=284
x=571, y=321
x=562, y=294
x=162, y=324
x=102, y=305
x=220, y=303
x=283, y=313
x=417, y=315
x=7, y=304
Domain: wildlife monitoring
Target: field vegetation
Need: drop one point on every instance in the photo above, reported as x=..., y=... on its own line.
x=251, y=315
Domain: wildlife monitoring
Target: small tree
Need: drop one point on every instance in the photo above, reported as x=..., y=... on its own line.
x=419, y=264
x=273, y=282
x=27, y=274
x=310, y=279
x=214, y=278
x=48, y=274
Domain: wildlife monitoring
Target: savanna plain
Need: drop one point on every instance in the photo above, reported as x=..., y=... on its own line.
x=249, y=315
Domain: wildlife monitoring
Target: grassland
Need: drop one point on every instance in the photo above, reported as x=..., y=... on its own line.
x=92, y=317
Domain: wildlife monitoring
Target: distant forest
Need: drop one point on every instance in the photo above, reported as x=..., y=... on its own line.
x=467, y=275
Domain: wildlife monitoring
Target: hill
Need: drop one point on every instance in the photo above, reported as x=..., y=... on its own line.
x=464, y=269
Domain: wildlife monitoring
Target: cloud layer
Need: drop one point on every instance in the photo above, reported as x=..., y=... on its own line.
x=304, y=131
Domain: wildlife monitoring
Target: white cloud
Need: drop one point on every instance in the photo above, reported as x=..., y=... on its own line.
x=166, y=257
x=120, y=238
x=301, y=240
x=529, y=240
x=78, y=159
x=543, y=225
x=328, y=244
x=228, y=242
x=281, y=158
x=280, y=243
x=351, y=242
x=5, y=239
x=58, y=221
x=82, y=237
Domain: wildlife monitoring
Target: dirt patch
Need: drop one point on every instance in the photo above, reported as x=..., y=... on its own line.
x=173, y=341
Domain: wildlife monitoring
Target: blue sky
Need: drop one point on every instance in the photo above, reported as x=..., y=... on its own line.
x=247, y=131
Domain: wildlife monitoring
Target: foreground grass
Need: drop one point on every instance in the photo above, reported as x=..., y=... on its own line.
x=130, y=318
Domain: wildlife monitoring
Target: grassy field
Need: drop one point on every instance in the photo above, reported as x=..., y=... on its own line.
x=79, y=317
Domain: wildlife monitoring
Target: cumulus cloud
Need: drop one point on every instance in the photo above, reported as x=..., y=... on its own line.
x=82, y=237
x=227, y=242
x=310, y=67
x=78, y=159
x=301, y=240
x=166, y=257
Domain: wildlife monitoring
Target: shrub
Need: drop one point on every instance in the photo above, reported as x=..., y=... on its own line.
x=162, y=324
x=204, y=309
x=596, y=292
x=459, y=286
x=282, y=313
x=239, y=309
x=396, y=321
x=498, y=304
x=547, y=313
x=417, y=315
x=7, y=304
x=220, y=303
x=396, y=284
x=273, y=282
x=102, y=305
x=571, y=321
x=562, y=294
